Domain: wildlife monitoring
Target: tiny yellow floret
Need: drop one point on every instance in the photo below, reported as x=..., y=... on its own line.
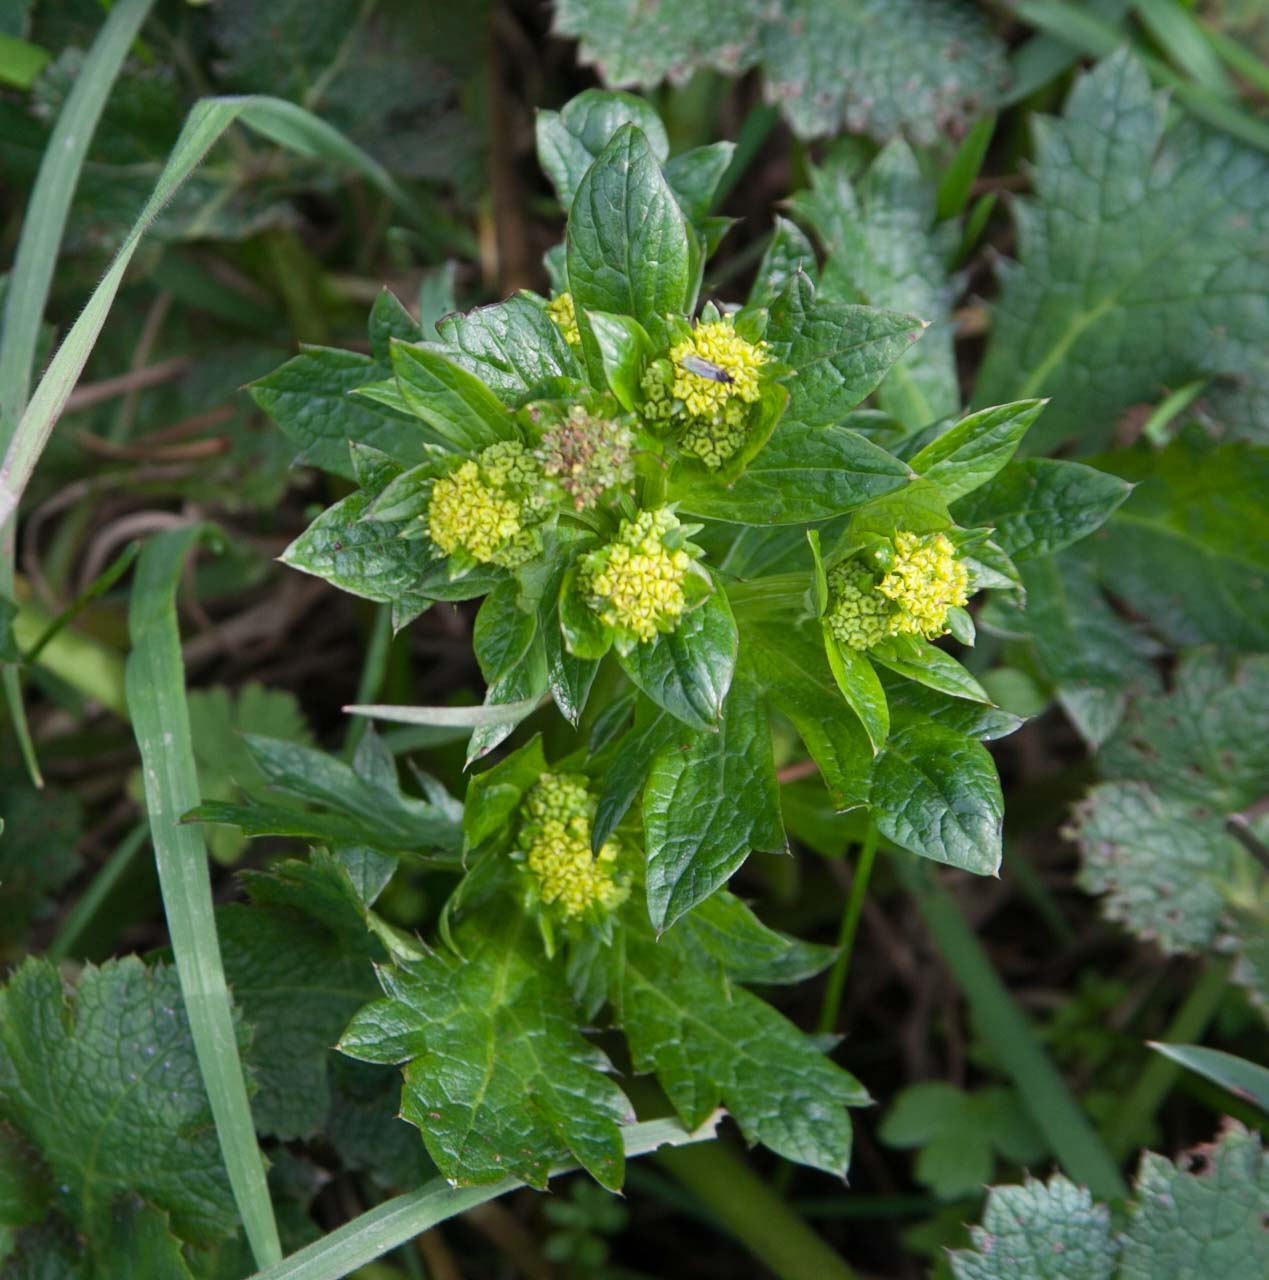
x=562, y=311
x=636, y=581
x=706, y=387
x=923, y=581
x=555, y=835
x=481, y=507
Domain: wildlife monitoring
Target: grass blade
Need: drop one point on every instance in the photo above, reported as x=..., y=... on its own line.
x=279, y=121
x=160, y=720
x=81, y=915
x=1055, y=1110
x=1178, y=34
x=1242, y=1078
x=449, y=717
x=392, y=1223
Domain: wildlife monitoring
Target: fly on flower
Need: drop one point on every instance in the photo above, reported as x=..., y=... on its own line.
x=706, y=369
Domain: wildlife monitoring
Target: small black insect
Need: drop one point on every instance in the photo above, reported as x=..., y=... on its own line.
x=706, y=369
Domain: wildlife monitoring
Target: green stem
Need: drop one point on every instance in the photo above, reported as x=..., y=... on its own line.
x=372, y=674
x=1055, y=1110
x=850, y=926
x=83, y=912
x=1153, y=1085
x=753, y=1213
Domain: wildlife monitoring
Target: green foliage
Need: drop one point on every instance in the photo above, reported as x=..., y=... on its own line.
x=1204, y=1212
x=37, y=852
x=1133, y=271
x=959, y=1135
x=917, y=65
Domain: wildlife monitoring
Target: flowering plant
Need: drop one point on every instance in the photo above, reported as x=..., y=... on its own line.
x=683, y=530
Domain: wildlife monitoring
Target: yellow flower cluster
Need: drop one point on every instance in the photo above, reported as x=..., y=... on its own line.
x=562, y=311
x=924, y=580
x=556, y=833
x=712, y=409
x=477, y=509
x=636, y=582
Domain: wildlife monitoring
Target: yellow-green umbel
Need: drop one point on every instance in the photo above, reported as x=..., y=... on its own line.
x=635, y=583
x=923, y=579
x=562, y=311
x=588, y=454
x=484, y=506
x=706, y=388
x=555, y=837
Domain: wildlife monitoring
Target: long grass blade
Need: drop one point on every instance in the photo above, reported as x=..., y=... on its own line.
x=391, y=1224
x=279, y=121
x=1242, y=1078
x=160, y=720
x=449, y=717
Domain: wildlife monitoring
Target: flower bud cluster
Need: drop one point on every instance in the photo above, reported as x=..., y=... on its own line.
x=635, y=583
x=487, y=506
x=563, y=312
x=555, y=835
x=706, y=388
x=588, y=455
x=923, y=579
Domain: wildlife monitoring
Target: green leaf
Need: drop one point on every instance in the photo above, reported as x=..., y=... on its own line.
x=1189, y=550
x=867, y=66
x=860, y=687
x=1206, y=1213
x=366, y=557
x=25, y=1189
x=623, y=769
x=788, y=254
x=456, y=404
x=806, y=473
x=883, y=249
x=725, y=928
x=709, y=1041
x=297, y=984
x=1050, y=1231
x=513, y=347
x=143, y=1127
x=959, y=1134
x=624, y=350
x=498, y=1077
x=970, y=453
x=512, y=659
x=935, y=792
x=1242, y=1078
x=1133, y=265
x=310, y=399
x=1094, y=658
x=689, y=670
x=791, y=666
x=927, y=664
x=838, y=353
x=1041, y=505
x=571, y=140
x=626, y=241
x=705, y=809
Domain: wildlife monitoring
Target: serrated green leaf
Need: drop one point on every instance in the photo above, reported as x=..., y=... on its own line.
x=498, y=1077
x=310, y=399
x=874, y=66
x=883, y=250
x=970, y=453
x=927, y=664
x=936, y=793
x=707, y=808
x=1041, y=505
x=708, y=1041
x=1133, y=272
x=105, y=1084
x=725, y=928
x=1050, y=1231
x=625, y=766
x=626, y=241
x=570, y=140
x=806, y=473
x=1189, y=549
x=788, y=253
x=838, y=353
x=694, y=177
x=512, y=659
x=513, y=347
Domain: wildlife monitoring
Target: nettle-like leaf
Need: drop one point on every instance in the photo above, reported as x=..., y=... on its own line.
x=1203, y=1214
x=1133, y=273
x=869, y=66
x=498, y=1077
x=710, y=1042
x=103, y=1082
x=883, y=249
x=1153, y=838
